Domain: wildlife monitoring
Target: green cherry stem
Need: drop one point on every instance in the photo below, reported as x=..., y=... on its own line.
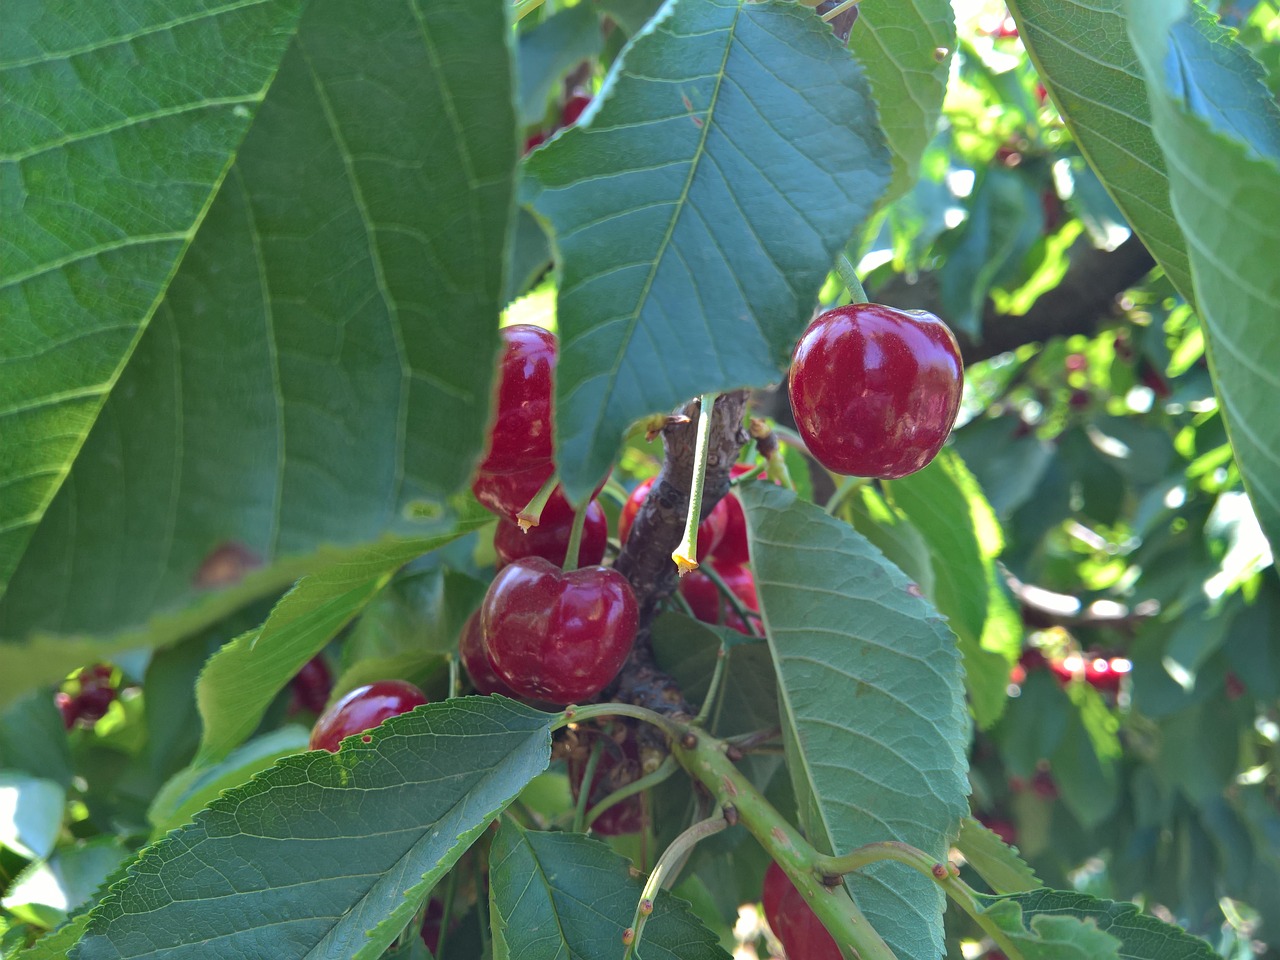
x=758, y=470
x=741, y=609
x=943, y=874
x=713, y=688
x=575, y=538
x=671, y=857
x=837, y=10
x=844, y=266
x=592, y=711
x=532, y=512
x=850, y=485
x=665, y=769
x=584, y=791
x=686, y=553
x=705, y=759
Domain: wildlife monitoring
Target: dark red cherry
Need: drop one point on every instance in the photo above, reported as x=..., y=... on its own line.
x=534, y=141
x=558, y=636
x=550, y=538
x=710, y=530
x=363, y=709
x=520, y=437
x=732, y=551
x=68, y=706
x=704, y=598
x=312, y=685
x=793, y=921
x=573, y=108
x=472, y=653
x=875, y=390
x=506, y=494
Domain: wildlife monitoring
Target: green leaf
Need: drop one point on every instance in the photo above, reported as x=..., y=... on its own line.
x=557, y=895
x=240, y=681
x=318, y=374
x=187, y=791
x=119, y=127
x=944, y=502
x=326, y=855
x=33, y=739
x=996, y=862
x=1220, y=131
x=892, y=534
x=1082, y=54
x=1140, y=936
x=1051, y=937
x=870, y=688
x=898, y=44
x=46, y=892
x=550, y=50
x=30, y=814
x=720, y=121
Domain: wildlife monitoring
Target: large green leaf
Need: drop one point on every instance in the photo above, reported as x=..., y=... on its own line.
x=1220, y=131
x=560, y=895
x=997, y=863
x=871, y=693
x=906, y=49
x=720, y=122
x=120, y=123
x=1083, y=56
x=1140, y=936
x=947, y=506
x=326, y=855
x=321, y=363
x=240, y=680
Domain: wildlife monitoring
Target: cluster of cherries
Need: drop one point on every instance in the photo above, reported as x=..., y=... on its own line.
x=1105, y=674
x=95, y=691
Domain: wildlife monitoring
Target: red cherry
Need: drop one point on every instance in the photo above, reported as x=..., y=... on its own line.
x=363, y=709
x=793, y=921
x=732, y=551
x=573, y=108
x=432, y=925
x=312, y=685
x=69, y=708
x=710, y=531
x=520, y=437
x=550, y=538
x=558, y=636
x=535, y=140
x=618, y=766
x=1079, y=399
x=703, y=596
x=472, y=653
x=1004, y=829
x=93, y=702
x=876, y=390
x=506, y=494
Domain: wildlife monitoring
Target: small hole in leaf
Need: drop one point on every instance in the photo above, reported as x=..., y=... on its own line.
x=366, y=739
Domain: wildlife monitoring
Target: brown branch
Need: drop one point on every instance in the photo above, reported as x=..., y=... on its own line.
x=646, y=556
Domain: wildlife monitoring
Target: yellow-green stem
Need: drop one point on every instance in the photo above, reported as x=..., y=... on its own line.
x=575, y=538
x=531, y=515
x=704, y=757
x=584, y=788
x=666, y=769
x=849, y=277
x=686, y=553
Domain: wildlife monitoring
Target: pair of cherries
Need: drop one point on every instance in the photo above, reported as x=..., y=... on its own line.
x=544, y=633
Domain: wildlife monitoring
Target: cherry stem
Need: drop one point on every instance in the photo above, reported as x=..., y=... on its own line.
x=531, y=515
x=850, y=485
x=713, y=688
x=686, y=553
x=757, y=471
x=705, y=758
x=837, y=10
x=747, y=615
x=584, y=790
x=844, y=266
x=616, y=492
x=593, y=711
x=575, y=538
x=671, y=857
x=940, y=872
x=768, y=446
x=665, y=769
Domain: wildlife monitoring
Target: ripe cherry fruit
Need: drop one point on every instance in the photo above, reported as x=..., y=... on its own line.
x=363, y=709
x=476, y=661
x=550, y=538
x=793, y=921
x=704, y=598
x=875, y=390
x=558, y=636
x=312, y=685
